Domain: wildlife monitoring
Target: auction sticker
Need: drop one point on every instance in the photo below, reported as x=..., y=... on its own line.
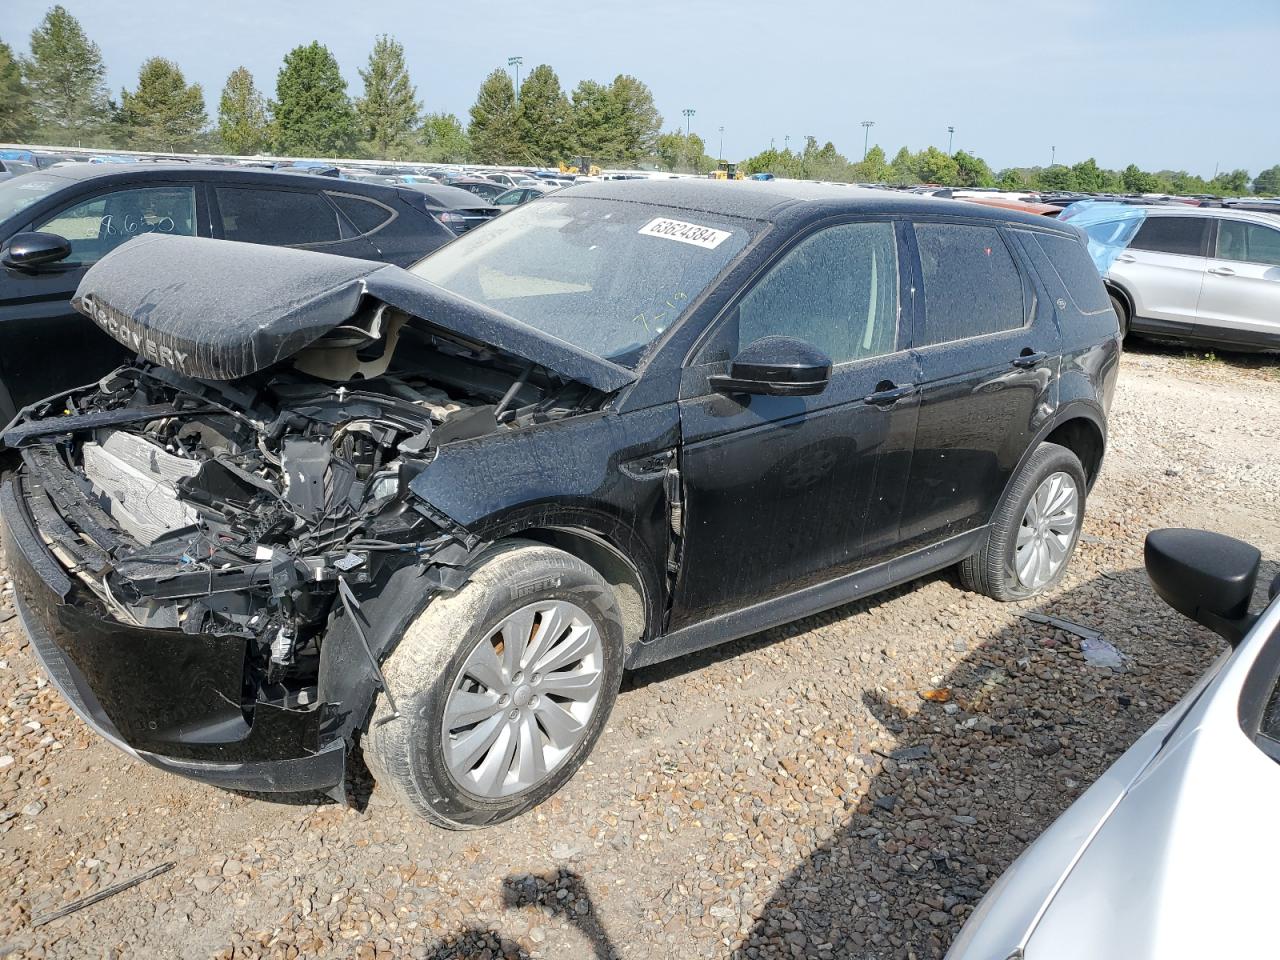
x=704, y=237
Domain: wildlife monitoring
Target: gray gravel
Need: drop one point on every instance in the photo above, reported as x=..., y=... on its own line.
x=790, y=795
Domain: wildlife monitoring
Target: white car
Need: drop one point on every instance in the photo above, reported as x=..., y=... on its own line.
x=1173, y=853
x=1200, y=274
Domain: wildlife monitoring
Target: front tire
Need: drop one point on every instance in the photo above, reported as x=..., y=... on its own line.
x=502, y=688
x=1122, y=315
x=1035, y=528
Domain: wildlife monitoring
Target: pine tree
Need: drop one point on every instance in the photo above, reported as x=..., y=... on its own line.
x=16, y=119
x=543, y=117
x=164, y=113
x=389, y=110
x=243, y=123
x=636, y=118
x=65, y=75
x=493, y=133
x=593, y=132
x=313, y=114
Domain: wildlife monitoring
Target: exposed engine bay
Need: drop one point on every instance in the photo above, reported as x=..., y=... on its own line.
x=251, y=507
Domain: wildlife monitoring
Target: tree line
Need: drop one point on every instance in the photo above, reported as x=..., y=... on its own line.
x=56, y=94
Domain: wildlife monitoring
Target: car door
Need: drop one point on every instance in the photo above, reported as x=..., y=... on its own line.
x=47, y=346
x=1240, y=299
x=1163, y=271
x=784, y=492
x=280, y=217
x=989, y=350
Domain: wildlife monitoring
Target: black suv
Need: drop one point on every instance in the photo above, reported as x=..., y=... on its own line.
x=55, y=224
x=436, y=513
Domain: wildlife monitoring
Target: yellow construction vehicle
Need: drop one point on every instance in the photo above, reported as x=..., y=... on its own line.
x=581, y=166
x=727, y=171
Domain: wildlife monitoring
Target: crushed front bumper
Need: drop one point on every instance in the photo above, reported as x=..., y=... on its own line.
x=172, y=699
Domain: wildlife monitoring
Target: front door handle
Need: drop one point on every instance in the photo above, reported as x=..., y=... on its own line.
x=887, y=394
x=1126, y=258
x=1222, y=271
x=1029, y=358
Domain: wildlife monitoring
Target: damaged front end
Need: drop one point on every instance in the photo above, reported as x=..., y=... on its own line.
x=212, y=569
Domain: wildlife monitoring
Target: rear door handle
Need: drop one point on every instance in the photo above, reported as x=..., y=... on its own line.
x=1126, y=258
x=1028, y=360
x=888, y=395
x=1222, y=271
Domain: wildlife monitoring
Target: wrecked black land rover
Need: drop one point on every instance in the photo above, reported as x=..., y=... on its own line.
x=434, y=514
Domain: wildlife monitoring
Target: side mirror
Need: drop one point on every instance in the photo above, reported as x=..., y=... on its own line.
x=776, y=367
x=28, y=250
x=1205, y=576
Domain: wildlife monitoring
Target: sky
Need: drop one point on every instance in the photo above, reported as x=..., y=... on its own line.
x=1165, y=84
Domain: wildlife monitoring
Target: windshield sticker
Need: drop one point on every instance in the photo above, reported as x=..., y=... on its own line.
x=704, y=237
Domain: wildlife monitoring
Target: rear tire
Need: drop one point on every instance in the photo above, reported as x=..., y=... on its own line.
x=519, y=667
x=1122, y=315
x=1035, y=528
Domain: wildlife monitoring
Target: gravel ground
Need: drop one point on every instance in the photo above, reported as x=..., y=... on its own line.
x=789, y=795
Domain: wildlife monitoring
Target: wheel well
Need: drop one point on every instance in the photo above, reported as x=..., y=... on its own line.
x=1124, y=298
x=1083, y=438
x=612, y=564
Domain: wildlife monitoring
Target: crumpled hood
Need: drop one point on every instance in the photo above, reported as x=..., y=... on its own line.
x=219, y=310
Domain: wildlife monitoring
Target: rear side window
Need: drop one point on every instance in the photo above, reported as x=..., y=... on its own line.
x=277, y=217
x=971, y=285
x=1077, y=272
x=1248, y=243
x=1180, y=235
x=837, y=289
x=366, y=215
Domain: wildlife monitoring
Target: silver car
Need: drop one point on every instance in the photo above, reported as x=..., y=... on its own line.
x=1172, y=854
x=1202, y=275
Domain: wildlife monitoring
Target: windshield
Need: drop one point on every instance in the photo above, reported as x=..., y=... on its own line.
x=21, y=192
x=605, y=275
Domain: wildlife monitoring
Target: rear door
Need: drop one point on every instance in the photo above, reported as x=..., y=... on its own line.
x=1240, y=299
x=1163, y=270
x=785, y=492
x=989, y=350
x=45, y=345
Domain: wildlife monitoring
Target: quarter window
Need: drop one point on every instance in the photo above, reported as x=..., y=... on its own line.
x=971, y=285
x=1076, y=270
x=365, y=214
x=1180, y=235
x=96, y=227
x=837, y=290
x=1248, y=243
x=277, y=217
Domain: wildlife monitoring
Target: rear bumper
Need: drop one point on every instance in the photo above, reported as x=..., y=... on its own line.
x=172, y=699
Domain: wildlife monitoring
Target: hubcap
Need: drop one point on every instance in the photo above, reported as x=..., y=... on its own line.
x=523, y=699
x=1048, y=527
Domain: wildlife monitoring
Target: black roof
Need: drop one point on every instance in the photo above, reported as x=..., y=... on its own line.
x=202, y=171
x=770, y=200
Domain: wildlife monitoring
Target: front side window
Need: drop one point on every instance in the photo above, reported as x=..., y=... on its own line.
x=837, y=289
x=97, y=226
x=281, y=218
x=605, y=275
x=1180, y=235
x=971, y=285
x=1248, y=243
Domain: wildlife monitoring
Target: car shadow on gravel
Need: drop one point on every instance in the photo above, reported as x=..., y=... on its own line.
x=978, y=765
x=561, y=896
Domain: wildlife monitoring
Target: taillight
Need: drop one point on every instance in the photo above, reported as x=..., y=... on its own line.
x=451, y=219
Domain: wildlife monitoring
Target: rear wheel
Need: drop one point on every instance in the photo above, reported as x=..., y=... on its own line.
x=1035, y=529
x=1122, y=314
x=502, y=689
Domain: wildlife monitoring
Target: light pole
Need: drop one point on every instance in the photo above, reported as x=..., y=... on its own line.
x=786, y=143
x=515, y=62
x=951, y=138
x=866, y=136
x=688, y=119
x=1053, y=156
x=721, y=143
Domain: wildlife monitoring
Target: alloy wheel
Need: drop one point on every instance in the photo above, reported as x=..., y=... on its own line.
x=1047, y=530
x=523, y=699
